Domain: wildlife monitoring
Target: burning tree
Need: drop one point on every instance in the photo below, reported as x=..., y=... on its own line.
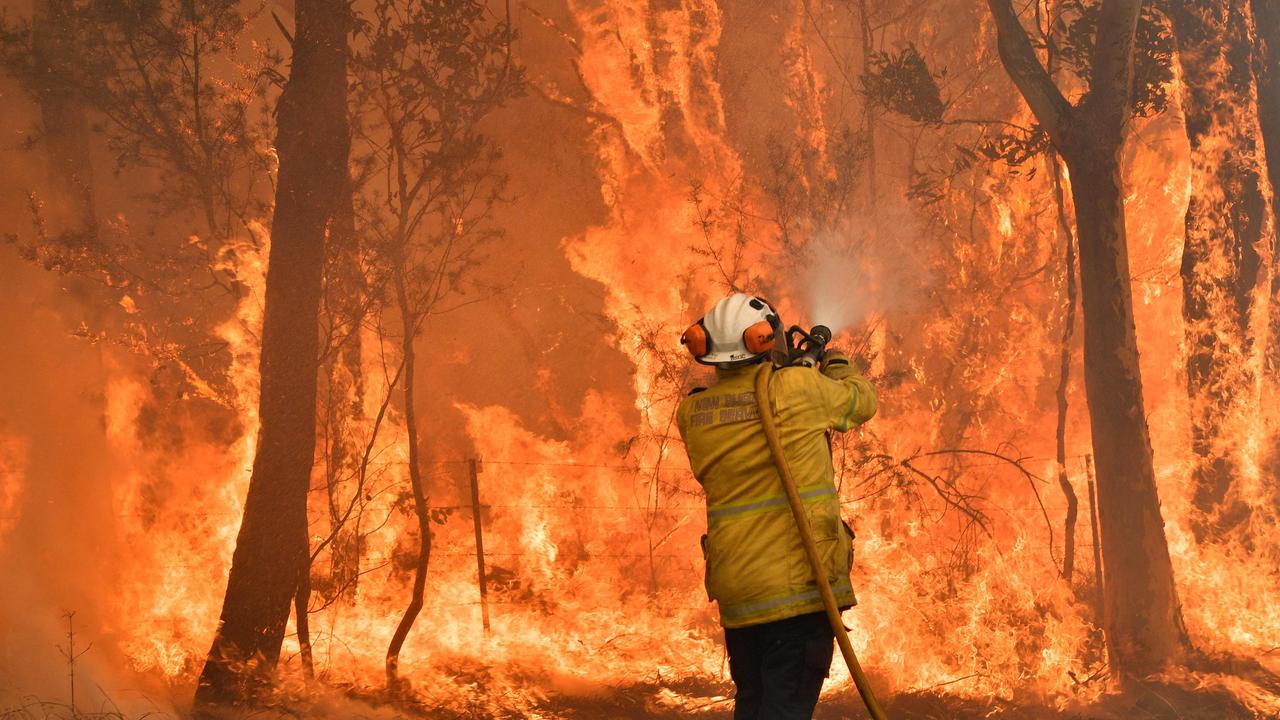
x=174, y=93
x=427, y=74
x=272, y=553
x=673, y=150
x=1267, y=70
x=1229, y=232
x=62, y=113
x=1142, y=614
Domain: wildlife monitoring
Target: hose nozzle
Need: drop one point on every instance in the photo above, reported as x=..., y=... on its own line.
x=808, y=347
x=821, y=334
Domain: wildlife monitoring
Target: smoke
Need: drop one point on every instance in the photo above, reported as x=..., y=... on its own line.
x=58, y=552
x=846, y=280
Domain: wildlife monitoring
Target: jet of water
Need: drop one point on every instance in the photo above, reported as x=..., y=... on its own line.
x=835, y=289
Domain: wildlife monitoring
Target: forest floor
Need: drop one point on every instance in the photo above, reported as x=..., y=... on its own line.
x=839, y=706
x=1190, y=698
x=1153, y=702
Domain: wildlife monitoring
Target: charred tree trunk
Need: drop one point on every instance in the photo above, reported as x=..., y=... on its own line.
x=302, y=618
x=1142, y=616
x=1266, y=18
x=272, y=549
x=344, y=406
x=872, y=208
x=1064, y=374
x=409, y=320
x=1229, y=230
x=1266, y=14
x=1141, y=610
x=343, y=470
x=1068, y=338
x=65, y=128
x=341, y=317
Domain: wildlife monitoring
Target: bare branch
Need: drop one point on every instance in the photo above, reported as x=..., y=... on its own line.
x=1033, y=81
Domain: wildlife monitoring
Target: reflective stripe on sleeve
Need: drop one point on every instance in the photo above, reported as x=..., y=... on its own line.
x=847, y=418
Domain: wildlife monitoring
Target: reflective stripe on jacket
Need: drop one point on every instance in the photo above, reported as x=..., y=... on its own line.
x=757, y=570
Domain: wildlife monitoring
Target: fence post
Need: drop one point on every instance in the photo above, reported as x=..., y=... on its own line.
x=1097, y=553
x=475, y=514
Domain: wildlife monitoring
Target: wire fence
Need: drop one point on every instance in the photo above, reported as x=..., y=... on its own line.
x=506, y=560
x=586, y=466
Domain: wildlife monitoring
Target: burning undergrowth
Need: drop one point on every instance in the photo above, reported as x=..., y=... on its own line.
x=678, y=170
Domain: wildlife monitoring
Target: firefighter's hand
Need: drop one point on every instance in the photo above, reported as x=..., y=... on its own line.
x=838, y=366
x=833, y=357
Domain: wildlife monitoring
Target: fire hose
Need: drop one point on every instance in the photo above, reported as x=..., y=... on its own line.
x=810, y=548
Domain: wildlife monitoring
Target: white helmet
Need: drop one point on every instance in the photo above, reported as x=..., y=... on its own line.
x=737, y=331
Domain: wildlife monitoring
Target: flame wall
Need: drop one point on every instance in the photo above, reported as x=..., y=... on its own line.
x=641, y=179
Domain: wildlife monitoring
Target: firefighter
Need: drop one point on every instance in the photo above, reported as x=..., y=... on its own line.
x=778, y=638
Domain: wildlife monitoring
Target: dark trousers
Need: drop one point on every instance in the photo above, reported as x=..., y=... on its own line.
x=778, y=667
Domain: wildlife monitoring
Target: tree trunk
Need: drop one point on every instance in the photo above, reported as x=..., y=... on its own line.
x=409, y=319
x=1266, y=15
x=344, y=408
x=1068, y=337
x=1229, y=230
x=65, y=130
x=272, y=548
x=1064, y=373
x=1141, y=612
x=302, y=618
x=1142, y=616
x=1266, y=18
x=872, y=207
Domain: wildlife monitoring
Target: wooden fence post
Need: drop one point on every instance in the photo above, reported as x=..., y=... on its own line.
x=475, y=514
x=1097, y=555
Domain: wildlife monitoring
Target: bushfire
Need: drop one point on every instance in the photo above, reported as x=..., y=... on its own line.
x=343, y=349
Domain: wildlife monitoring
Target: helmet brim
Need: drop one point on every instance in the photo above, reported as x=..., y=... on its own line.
x=729, y=359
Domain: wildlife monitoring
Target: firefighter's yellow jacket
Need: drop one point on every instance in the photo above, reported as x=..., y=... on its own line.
x=757, y=570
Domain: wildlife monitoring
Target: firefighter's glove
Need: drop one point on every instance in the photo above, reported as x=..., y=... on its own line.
x=837, y=365
x=834, y=357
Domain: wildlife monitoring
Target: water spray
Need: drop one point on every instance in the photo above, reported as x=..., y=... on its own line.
x=834, y=284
